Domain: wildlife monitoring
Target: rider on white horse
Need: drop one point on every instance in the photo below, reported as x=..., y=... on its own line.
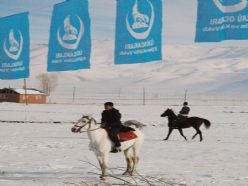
x=111, y=121
x=101, y=144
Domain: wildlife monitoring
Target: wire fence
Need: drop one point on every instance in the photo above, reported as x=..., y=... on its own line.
x=142, y=96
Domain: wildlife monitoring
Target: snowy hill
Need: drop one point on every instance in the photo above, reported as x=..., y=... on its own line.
x=200, y=68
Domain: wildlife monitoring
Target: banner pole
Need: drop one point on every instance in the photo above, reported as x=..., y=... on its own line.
x=25, y=88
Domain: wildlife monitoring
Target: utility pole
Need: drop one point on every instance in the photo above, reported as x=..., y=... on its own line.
x=25, y=88
x=74, y=94
x=119, y=93
x=144, y=96
x=185, y=95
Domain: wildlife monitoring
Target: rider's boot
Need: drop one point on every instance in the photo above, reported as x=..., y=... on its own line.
x=116, y=149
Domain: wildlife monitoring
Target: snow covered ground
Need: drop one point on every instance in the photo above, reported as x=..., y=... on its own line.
x=45, y=152
x=38, y=154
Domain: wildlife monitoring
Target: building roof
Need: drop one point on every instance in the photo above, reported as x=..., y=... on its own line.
x=29, y=91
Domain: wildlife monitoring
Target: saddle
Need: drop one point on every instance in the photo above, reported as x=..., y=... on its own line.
x=178, y=121
x=126, y=136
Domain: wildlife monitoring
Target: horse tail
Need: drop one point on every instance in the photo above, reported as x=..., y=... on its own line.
x=136, y=124
x=206, y=123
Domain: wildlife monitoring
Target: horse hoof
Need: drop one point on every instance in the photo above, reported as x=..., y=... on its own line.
x=134, y=173
x=126, y=173
x=165, y=139
x=103, y=178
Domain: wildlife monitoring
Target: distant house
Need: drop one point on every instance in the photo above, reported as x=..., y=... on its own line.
x=18, y=96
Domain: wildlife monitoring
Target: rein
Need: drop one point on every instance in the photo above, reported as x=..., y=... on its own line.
x=88, y=123
x=91, y=130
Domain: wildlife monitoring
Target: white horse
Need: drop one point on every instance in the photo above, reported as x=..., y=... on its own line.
x=101, y=145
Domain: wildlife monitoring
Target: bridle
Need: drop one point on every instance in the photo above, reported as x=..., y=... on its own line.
x=87, y=123
x=171, y=115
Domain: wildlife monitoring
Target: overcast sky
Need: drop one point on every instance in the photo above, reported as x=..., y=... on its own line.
x=179, y=19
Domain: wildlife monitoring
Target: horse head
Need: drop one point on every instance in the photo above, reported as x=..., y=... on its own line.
x=168, y=113
x=84, y=124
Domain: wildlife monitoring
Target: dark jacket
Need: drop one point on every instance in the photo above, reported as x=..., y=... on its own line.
x=185, y=110
x=111, y=118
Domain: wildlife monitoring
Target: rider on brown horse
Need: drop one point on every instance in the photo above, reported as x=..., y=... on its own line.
x=183, y=115
x=185, y=110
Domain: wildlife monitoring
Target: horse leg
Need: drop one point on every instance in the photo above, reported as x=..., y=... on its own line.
x=103, y=161
x=105, y=164
x=169, y=133
x=197, y=132
x=195, y=135
x=181, y=132
x=200, y=133
x=128, y=154
x=100, y=160
x=136, y=154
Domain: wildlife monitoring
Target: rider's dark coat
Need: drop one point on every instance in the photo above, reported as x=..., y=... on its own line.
x=185, y=111
x=112, y=122
x=111, y=118
x=182, y=117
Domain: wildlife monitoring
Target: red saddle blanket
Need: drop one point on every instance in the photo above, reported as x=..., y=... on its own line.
x=126, y=136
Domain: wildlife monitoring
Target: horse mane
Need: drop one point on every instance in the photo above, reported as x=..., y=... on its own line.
x=92, y=119
x=172, y=111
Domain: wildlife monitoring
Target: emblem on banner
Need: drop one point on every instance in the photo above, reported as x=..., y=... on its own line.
x=142, y=23
x=71, y=34
x=13, y=48
x=235, y=7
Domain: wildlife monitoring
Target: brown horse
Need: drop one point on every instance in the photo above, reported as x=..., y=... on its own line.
x=194, y=122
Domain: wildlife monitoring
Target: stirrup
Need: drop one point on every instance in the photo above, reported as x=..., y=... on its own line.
x=116, y=150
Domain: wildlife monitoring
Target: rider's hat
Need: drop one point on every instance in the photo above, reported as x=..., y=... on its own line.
x=185, y=103
x=109, y=104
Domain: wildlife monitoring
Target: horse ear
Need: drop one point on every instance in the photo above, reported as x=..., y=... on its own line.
x=90, y=116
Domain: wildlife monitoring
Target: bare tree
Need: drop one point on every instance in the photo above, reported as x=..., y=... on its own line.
x=48, y=82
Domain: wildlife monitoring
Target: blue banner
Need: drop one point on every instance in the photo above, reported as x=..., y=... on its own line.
x=220, y=20
x=70, y=37
x=14, y=47
x=138, y=31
